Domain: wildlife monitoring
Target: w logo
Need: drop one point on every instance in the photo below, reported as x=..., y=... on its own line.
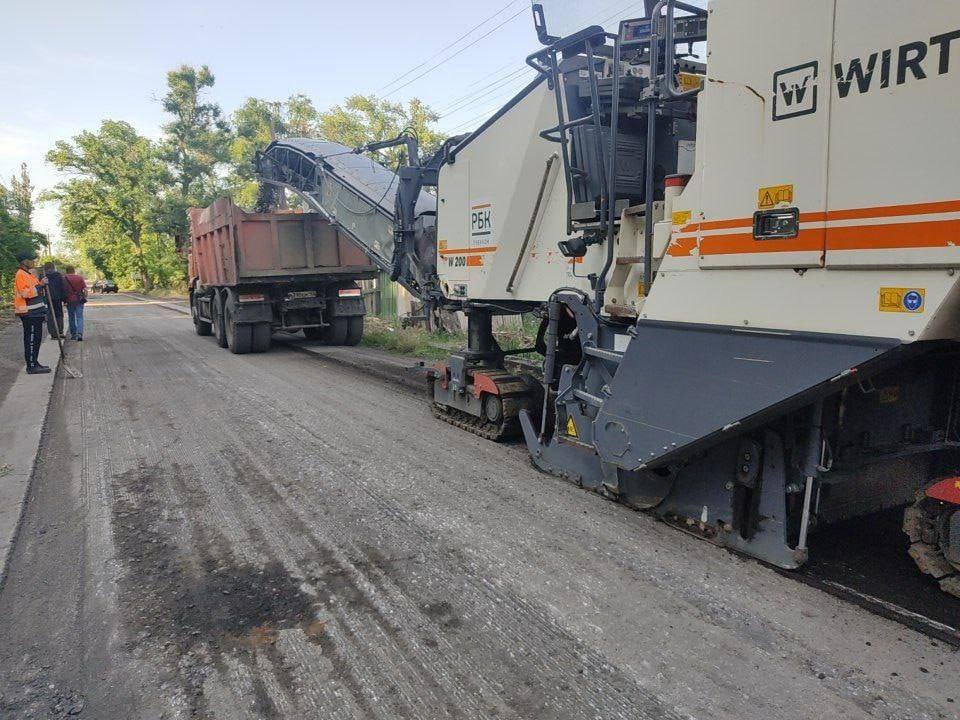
x=795, y=91
x=798, y=91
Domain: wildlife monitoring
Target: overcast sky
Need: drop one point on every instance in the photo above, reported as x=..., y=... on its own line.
x=68, y=64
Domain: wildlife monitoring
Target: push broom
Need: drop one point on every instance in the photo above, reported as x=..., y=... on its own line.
x=63, y=356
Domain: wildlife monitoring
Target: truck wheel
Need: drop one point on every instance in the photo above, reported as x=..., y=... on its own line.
x=314, y=333
x=336, y=333
x=354, y=330
x=219, y=331
x=239, y=335
x=262, y=337
x=202, y=327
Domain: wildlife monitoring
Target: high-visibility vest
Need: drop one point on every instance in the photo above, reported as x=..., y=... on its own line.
x=26, y=295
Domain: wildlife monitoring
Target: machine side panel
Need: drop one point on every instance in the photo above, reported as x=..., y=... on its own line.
x=882, y=167
x=894, y=146
x=487, y=201
x=679, y=386
x=769, y=96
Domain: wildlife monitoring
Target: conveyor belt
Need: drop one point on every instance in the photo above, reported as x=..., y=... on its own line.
x=350, y=189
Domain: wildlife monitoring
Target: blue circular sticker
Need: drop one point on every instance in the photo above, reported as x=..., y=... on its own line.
x=912, y=301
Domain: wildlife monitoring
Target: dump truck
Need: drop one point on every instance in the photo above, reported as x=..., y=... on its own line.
x=253, y=274
x=746, y=263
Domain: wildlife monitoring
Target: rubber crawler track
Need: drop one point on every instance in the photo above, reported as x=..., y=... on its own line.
x=920, y=526
x=507, y=428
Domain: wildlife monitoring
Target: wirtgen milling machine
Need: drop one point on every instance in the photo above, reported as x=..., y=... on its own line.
x=746, y=268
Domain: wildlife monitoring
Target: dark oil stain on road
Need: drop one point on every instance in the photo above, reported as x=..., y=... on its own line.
x=200, y=605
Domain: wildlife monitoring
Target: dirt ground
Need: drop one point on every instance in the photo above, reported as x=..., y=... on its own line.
x=279, y=536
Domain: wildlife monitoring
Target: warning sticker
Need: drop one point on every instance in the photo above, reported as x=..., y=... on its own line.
x=571, y=428
x=902, y=300
x=889, y=395
x=771, y=197
x=682, y=217
x=689, y=81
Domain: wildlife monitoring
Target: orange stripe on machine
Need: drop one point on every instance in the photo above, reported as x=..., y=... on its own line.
x=468, y=251
x=927, y=228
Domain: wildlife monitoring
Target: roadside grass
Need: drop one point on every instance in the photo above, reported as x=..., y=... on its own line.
x=418, y=342
x=162, y=293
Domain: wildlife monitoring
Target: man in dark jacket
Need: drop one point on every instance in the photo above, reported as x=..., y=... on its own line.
x=57, y=296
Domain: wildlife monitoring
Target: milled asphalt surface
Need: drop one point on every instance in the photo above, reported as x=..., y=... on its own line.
x=280, y=536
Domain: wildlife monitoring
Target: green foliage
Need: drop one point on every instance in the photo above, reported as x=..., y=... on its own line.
x=255, y=124
x=113, y=196
x=15, y=237
x=302, y=117
x=412, y=341
x=126, y=198
x=366, y=118
x=20, y=196
x=196, y=141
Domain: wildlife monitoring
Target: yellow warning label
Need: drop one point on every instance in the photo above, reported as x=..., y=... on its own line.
x=770, y=197
x=442, y=245
x=689, y=81
x=902, y=300
x=889, y=395
x=571, y=428
x=682, y=217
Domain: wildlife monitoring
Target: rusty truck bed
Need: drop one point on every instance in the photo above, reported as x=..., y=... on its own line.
x=232, y=247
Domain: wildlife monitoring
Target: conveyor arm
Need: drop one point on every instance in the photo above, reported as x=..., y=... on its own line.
x=356, y=193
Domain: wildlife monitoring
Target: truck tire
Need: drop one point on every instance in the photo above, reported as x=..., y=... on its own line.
x=262, y=337
x=336, y=333
x=239, y=335
x=354, y=330
x=219, y=331
x=202, y=327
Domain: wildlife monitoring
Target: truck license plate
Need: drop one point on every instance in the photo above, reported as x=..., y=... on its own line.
x=301, y=294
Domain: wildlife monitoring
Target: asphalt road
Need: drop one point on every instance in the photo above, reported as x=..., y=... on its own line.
x=280, y=536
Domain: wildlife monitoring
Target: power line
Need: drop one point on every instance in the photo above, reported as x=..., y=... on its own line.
x=619, y=13
x=473, y=122
x=511, y=64
x=486, y=90
x=448, y=46
x=458, y=52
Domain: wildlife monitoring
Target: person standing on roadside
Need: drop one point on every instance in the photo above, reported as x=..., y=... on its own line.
x=29, y=306
x=76, y=296
x=55, y=312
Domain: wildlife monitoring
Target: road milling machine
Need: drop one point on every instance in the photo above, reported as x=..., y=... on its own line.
x=745, y=261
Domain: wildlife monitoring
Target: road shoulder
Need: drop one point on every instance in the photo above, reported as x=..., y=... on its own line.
x=22, y=419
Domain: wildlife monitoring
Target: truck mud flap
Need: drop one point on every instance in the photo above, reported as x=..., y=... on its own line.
x=681, y=387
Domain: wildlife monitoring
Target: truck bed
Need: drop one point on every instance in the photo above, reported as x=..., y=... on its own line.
x=234, y=247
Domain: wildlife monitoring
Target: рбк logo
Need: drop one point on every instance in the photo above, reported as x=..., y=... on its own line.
x=795, y=91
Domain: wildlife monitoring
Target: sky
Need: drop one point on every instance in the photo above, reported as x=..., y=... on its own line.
x=69, y=64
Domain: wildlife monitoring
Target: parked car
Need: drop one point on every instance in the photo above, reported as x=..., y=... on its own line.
x=104, y=286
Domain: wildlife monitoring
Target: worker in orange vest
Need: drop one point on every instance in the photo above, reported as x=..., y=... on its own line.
x=29, y=306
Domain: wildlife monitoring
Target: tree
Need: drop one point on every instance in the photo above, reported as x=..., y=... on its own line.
x=196, y=142
x=365, y=118
x=15, y=237
x=302, y=117
x=20, y=196
x=255, y=124
x=118, y=177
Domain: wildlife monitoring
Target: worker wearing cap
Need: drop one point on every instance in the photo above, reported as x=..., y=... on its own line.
x=29, y=306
